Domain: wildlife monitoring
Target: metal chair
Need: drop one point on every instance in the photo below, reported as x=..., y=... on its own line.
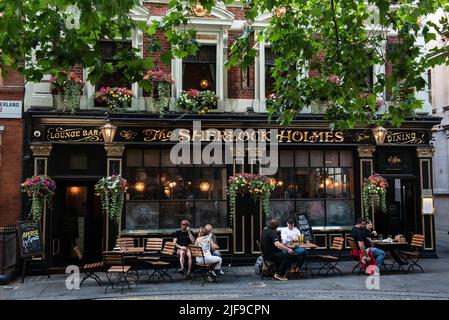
x=330, y=262
x=159, y=266
x=413, y=256
x=89, y=269
x=353, y=247
x=203, y=268
x=115, y=263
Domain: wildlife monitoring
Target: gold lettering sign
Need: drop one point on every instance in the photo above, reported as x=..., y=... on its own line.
x=405, y=137
x=60, y=134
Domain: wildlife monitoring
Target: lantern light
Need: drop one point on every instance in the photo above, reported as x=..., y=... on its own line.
x=204, y=186
x=108, y=131
x=379, y=133
x=204, y=84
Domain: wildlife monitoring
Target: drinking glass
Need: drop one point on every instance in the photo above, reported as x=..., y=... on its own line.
x=380, y=236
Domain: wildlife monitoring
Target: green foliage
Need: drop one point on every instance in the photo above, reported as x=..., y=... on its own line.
x=333, y=38
x=112, y=191
x=197, y=101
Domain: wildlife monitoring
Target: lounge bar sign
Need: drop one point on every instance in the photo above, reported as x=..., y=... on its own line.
x=61, y=134
x=284, y=135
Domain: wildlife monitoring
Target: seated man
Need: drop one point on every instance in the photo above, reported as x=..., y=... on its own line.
x=289, y=234
x=183, y=238
x=214, y=248
x=273, y=249
x=362, y=241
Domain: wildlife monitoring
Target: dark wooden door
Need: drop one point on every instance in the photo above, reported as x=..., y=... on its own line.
x=248, y=225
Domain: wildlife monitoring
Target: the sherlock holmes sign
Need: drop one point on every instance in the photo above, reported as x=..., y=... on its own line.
x=288, y=135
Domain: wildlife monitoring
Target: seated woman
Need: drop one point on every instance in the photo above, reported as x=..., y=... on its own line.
x=206, y=243
x=289, y=234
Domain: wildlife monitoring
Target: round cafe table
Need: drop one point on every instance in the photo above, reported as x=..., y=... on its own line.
x=309, y=247
x=393, y=248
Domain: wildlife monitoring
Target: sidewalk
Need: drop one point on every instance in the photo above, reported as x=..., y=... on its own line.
x=242, y=283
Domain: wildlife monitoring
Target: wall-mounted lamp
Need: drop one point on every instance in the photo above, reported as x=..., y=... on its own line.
x=204, y=84
x=204, y=186
x=108, y=131
x=379, y=133
x=139, y=186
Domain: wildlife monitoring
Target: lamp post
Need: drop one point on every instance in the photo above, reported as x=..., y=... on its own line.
x=379, y=133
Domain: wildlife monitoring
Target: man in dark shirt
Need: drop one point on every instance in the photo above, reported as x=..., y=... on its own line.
x=360, y=237
x=183, y=238
x=273, y=249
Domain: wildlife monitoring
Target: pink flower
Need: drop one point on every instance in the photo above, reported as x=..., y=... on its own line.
x=335, y=80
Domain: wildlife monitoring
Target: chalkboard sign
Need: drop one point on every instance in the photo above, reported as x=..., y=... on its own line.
x=30, y=239
x=304, y=226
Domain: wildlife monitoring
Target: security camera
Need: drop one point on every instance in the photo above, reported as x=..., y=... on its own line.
x=432, y=143
x=37, y=134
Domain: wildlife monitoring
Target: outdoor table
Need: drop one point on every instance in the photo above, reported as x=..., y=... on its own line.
x=392, y=247
x=307, y=246
x=131, y=255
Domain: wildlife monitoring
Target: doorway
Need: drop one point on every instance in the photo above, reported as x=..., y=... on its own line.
x=76, y=221
x=400, y=217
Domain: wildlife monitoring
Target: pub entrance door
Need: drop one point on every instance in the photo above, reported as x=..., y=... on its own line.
x=76, y=221
x=400, y=217
x=249, y=219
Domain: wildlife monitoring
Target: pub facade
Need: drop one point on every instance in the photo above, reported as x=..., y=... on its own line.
x=320, y=172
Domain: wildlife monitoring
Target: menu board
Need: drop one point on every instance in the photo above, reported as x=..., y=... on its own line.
x=30, y=239
x=304, y=226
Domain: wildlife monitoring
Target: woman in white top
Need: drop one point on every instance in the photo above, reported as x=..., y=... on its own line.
x=206, y=242
x=289, y=234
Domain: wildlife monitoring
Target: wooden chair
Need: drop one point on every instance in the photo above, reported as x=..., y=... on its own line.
x=89, y=269
x=413, y=256
x=161, y=266
x=115, y=264
x=354, y=246
x=330, y=262
x=203, y=268
x=126, y=242
x=153, y=248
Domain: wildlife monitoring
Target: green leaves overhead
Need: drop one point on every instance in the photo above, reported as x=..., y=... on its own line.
x=322, y=48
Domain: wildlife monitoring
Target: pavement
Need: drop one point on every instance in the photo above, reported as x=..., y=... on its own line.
x=241, y=283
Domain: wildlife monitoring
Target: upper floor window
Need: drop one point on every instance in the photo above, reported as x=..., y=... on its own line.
x=270, y=57
x=199, y=71
x=109, y=50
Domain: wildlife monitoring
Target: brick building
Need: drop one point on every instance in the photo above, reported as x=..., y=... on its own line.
x=11, y=155
x=320, y=172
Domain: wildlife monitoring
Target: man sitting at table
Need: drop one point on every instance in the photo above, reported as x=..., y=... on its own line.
x=362, y=241
x=274, y=250
x=289, y=234
x=183, y=238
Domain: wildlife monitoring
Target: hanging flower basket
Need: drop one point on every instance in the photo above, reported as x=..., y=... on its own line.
x=374, y=193
x=257, y=186
x=112, y=191
x=40, y=190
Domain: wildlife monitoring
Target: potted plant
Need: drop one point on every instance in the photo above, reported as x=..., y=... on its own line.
x=257, y=186
x=197, y=101
x=158, y=85
x=116, y=99
x=40, y=190
x=66, y=92
x=112, y=191
x=374, y=192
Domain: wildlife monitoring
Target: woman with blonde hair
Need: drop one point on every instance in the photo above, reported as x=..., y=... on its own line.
x=206, y=243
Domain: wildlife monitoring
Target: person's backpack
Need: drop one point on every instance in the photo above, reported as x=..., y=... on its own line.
x=258, y=265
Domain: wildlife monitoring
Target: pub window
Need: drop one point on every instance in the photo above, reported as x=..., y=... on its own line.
x=199, y=71
x=270, y=57
x=109, y=50
x=320, y=183
x=161, y=193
